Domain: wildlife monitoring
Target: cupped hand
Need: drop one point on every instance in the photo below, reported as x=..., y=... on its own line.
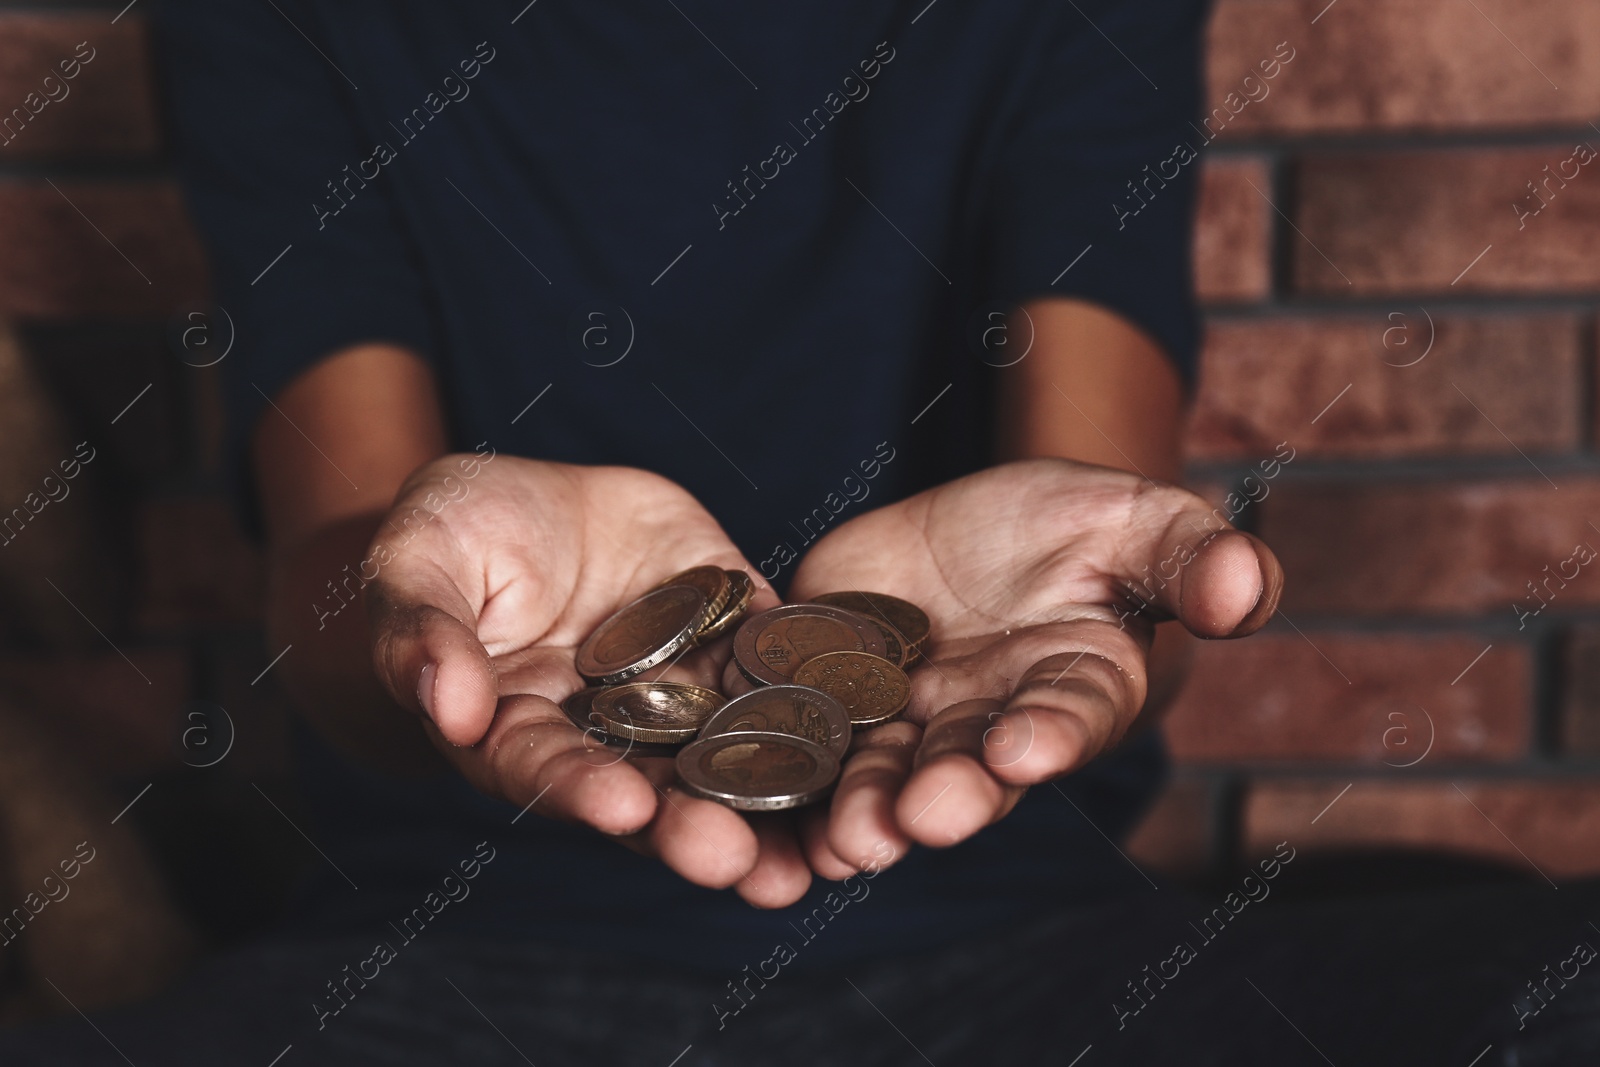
x=1043, y=580
x=490, y=576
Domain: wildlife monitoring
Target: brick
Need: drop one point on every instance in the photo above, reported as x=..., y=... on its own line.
x=1410, y=223
x=198, y=568
x=1233, y=231
x=1412, y=377
x=1374, y=65
x=109, y=107
x=1276, y=697
x=1176, y=837
x=122, y=718
x=1554, y=823
x=58, y=265
x=1580, y=712
x=1447, y=548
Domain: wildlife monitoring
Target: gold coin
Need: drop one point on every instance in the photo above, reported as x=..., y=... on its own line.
x=872, y=689
x=658, y=712
x=910, y=621
x=741, y=590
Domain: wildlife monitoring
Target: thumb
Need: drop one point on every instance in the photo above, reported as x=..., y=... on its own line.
x=1217, y=582
x=426, y=652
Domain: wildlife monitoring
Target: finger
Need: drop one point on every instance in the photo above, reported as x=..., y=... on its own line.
x=425, y=649
x=862, y=824
x=1065, y=710
x=1065, y=691
x=951, y=795
x=1219, y=582
x=702, y=841
x=535, y=758
x=812, y=825
x=1234, y=587
x=781, y=875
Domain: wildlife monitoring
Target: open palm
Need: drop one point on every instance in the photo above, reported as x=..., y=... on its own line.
x=483, y=595
x=1043, y=580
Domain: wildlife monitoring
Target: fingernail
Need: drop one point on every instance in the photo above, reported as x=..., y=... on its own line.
x=425, y=684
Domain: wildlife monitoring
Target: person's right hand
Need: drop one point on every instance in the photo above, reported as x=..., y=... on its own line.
x=477, y=611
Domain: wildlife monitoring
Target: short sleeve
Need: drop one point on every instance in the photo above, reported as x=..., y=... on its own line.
x=1093, y=195
x=265, y=137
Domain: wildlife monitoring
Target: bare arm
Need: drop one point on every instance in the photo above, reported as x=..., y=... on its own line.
x=1097, y=389
x=401, y=676
x=329, y=459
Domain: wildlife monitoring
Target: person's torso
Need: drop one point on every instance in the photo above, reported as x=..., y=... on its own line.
x=742, y=247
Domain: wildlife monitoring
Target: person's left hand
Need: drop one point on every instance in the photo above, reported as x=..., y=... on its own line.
x=1036, y=662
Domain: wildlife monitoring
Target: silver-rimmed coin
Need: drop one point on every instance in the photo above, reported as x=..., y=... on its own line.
x=741, y=589
x=904, y=616
x=647, y=632
x=768, y=648
x=580, y=709
x=785, y=709
x=758, y=771
x=658, y=712
x=714, y=582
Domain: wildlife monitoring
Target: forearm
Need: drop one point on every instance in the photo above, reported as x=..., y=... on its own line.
x=1096, y=389
x=330, y=456
x=316, y=604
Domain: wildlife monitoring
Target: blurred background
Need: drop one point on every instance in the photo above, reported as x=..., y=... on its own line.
x=1399, y=254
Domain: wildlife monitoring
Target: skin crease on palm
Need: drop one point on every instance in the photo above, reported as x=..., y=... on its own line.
x=1019, y=566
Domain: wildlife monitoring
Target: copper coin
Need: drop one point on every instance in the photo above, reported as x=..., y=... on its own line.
x=769, y=647
x=649, y=631
x=872, y=689
x=909, y=620
x=741, y=590
x=580, y=707
x=785, y=709
x=714, y=582
x=758, y=771
x=898, y=652
x=658, y=712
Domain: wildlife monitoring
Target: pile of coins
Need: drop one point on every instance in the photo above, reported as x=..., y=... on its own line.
x=822, y=670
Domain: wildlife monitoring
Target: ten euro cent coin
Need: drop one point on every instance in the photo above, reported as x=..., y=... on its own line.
x=872, y=689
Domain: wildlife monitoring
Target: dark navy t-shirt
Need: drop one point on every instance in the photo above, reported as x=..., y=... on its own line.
x=759, y=249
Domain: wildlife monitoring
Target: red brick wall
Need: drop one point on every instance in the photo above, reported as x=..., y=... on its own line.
x=97, y=262
x=1376, y=300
